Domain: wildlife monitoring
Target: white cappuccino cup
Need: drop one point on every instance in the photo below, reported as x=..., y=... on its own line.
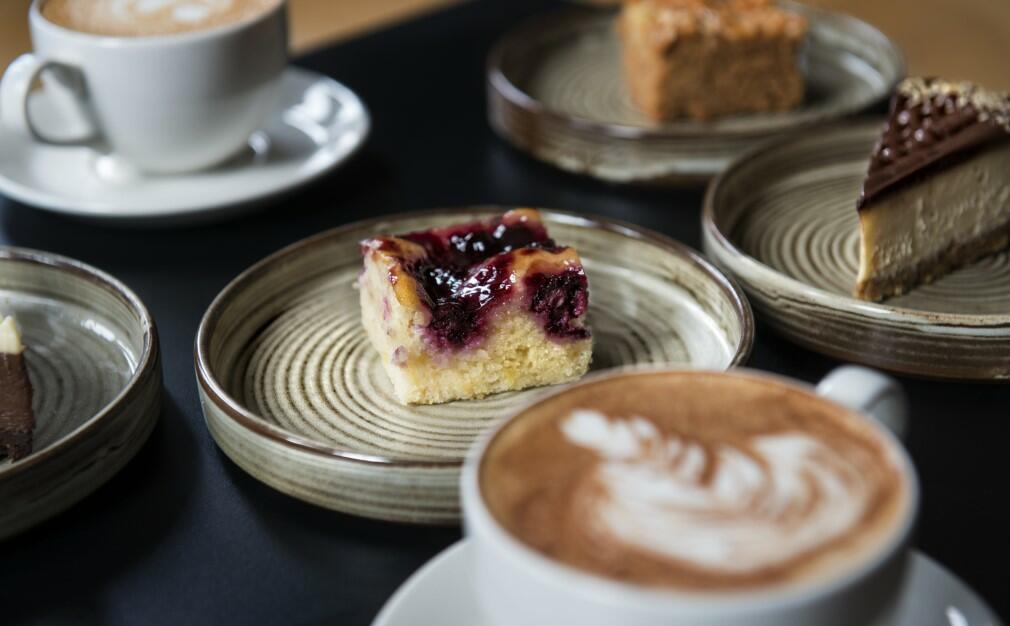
x=163, y=103
x=518, y=584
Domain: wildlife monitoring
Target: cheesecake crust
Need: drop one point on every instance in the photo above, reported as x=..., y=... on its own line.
x=959, y=254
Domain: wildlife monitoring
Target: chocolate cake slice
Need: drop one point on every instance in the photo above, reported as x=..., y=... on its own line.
x=17, y=422
x=937, y=192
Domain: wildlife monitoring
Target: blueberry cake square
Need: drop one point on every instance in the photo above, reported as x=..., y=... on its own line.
x=474, y=309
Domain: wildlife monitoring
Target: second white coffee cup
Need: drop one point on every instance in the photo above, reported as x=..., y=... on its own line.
x=519, y=586
x=165, y=103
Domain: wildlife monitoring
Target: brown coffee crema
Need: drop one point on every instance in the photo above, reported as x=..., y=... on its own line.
x=145, y=18
x=696, y=481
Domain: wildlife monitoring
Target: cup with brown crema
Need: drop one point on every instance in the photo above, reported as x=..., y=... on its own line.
x=160, y=86
x=658, y=497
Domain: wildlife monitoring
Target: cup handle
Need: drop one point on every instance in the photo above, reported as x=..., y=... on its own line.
x=15, y=88
x=870, y=392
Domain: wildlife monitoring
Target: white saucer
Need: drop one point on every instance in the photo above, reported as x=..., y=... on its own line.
x=317, y=124
x=439, y=594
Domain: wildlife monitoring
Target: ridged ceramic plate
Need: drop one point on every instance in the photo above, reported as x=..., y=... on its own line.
x=556, y=91
x=93, y=361
x=783, y=222
x=294, y=393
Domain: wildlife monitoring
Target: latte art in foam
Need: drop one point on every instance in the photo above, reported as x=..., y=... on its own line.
x=725, y=507
x=150, y=17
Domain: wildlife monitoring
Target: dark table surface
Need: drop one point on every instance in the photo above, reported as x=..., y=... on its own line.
x=182, y=536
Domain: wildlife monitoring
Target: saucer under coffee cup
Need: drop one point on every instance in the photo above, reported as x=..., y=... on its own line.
x=659, y=497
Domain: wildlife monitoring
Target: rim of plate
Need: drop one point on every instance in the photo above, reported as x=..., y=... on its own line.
x=167, y=210
x=147, y=360
x=238, y=412
x=822, y=297
x=521, y=34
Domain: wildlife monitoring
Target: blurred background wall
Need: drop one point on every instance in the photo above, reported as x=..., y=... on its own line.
x=956, y=39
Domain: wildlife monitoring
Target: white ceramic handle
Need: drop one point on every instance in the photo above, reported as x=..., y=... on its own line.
x=15, y=87
x=870, y=393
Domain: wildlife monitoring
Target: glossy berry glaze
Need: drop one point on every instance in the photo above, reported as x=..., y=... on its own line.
x=467, y=272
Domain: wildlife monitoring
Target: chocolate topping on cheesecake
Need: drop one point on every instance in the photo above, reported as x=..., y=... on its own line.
x=17, y=422
x=931, y=122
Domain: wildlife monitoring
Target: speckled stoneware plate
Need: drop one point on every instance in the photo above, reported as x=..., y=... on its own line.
x=93, y=361
x=293, y=392
x=783, y=222
x=556, y=91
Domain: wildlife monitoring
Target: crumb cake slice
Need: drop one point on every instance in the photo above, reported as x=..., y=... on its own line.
x=704, y=59
x=937, y=191
x=17, y=422
x=474, y=309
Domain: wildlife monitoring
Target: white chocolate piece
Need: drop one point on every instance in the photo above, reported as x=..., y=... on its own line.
x=10, y=337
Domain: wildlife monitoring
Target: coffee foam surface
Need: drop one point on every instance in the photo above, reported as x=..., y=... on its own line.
x=150, y=17
x=685, y=503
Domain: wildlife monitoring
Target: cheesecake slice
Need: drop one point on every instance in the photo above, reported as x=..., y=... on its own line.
x=937, y=191
x=17, y=422
x=469, y=310
x=705, y=59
